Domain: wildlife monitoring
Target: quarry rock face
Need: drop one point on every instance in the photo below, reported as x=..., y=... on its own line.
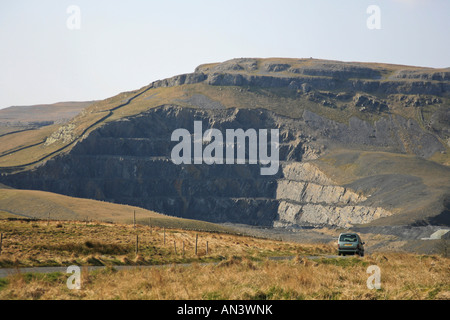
x=128, y=160
x=309, y=198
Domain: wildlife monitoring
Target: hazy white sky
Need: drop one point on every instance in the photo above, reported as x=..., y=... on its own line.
x=124, y=45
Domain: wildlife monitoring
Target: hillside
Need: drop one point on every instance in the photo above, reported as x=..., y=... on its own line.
x=360, y=143
x=22, y=127
x=41, y=205
x=57, y=112
x=24, y=118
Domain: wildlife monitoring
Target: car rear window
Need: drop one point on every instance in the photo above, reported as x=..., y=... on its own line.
x=348, y=238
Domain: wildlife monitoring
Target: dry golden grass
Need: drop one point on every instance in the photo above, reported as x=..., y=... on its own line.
x=11, y=142
x=403, y=276
x=42, y=243
x=13, y=153
x=236, y=267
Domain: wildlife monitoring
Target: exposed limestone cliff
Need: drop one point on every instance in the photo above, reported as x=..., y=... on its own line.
x=318, y=214
x=304, y=192
x=305, y=171
x=308, y=197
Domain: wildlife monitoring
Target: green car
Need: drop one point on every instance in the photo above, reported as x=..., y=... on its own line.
x=350, y=243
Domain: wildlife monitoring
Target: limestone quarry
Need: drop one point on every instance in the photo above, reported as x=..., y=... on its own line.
x=359, y=144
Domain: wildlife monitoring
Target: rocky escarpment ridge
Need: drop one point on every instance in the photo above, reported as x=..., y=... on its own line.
x=370, y=88
x=320, y=75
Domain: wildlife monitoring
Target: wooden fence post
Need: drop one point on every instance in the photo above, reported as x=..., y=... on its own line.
x=183, y=248
x=1, y=242
x=206, y=247
x=196, y=241
x=164, y=236
x=175, y=246
x=137, y=244
x=134, y=218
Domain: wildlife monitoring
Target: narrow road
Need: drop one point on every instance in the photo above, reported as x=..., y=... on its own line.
x=4, y=272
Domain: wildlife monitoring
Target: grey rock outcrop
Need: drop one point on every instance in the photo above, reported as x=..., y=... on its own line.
x=308, y=197
x=322, y=75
